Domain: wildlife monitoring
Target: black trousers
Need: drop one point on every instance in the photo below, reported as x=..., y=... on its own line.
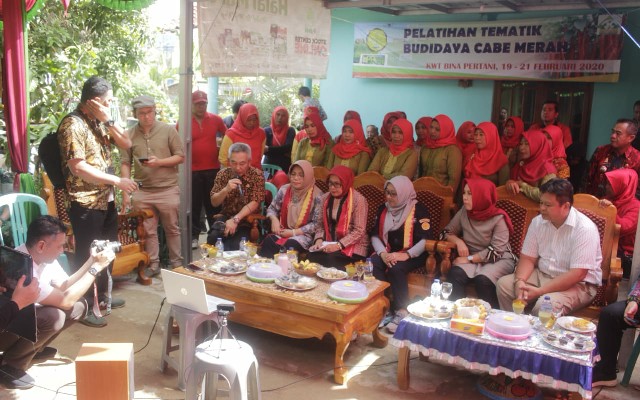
x=89, y=225
x=230, y=242
x=201, y=185
x=269, y=247
x=337, y=259
x=397, y=277
x=485, y=289
x=611, y=326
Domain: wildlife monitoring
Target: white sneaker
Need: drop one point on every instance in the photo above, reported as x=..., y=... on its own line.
x=194, y=244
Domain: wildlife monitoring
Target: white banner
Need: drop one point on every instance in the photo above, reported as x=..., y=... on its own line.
x=264, y=37
x=576, y=48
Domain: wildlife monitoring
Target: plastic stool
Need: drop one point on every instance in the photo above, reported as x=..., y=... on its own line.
x=188, y=321
x=631, y=363
x=230, y=358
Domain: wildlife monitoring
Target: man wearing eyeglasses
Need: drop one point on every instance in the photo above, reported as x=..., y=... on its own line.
x=156, y=151
x=617, y=154
x=238, y=190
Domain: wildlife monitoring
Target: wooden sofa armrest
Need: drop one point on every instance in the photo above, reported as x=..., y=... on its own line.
x=443, y=248
x=132, y=235
x=252, y=220
x=613, y=284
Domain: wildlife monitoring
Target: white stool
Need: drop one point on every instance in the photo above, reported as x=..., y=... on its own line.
x=230, y=358
x=188, y=321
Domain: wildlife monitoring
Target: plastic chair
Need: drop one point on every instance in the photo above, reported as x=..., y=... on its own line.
x=188, y=322
x=230, y=358
x=269, y=170
x=273, y=190
x=631, y=363
x=20, y=214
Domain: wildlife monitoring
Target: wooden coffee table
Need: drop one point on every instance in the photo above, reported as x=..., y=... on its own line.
x=301, y=315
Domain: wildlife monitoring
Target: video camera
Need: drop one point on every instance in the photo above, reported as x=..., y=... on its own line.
x=226, y=308
x=101, y=245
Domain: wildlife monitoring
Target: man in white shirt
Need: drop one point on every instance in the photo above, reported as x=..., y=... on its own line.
x=59, y=304
x=560, y=256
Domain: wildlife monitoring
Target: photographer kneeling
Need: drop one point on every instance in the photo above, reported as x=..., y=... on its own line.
x=59, y=304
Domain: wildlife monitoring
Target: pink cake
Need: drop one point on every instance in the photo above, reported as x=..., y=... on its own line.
x=264, y=271
x=508, y=326
x=348, y=290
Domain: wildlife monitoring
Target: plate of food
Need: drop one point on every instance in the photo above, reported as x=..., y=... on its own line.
x=228, y=267
x=431, y=309
x=465, y=306
x=331, y=274
x=307, y=268
x=569, y=342
x=298, y=283
x=576, y=324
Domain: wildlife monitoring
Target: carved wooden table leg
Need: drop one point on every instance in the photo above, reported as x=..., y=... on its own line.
x=403, y=368
x=342, y=343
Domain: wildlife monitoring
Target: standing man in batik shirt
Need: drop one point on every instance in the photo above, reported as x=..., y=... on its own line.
x=85, y=137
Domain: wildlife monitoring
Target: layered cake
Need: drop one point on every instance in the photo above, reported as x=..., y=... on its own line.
x=508, y=326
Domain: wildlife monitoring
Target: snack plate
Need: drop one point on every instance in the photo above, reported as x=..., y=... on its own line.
x=415, y=310
x=218, y=270
x=347, y=301
x=589, y=345
x=343, y=275
x=309, y=283
x=461, y=302
x=566, y=322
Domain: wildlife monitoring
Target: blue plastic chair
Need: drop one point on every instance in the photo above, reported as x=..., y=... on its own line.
x=269, y=170
x=631, y=363
x=273, y=190
x=19, y=214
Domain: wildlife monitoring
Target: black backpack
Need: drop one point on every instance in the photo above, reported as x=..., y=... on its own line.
x=49, y=153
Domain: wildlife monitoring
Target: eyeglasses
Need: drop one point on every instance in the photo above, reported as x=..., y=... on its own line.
x=390, y=194
x=334, y=184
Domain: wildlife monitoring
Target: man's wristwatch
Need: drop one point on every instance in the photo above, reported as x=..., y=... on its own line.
x=109, y=123
x=93, y=271
x=236, y=219
x=470, y=257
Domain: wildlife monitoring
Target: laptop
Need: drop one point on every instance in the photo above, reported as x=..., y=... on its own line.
x=189, y=292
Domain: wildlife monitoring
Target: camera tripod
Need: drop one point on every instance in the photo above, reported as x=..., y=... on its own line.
x=223, y=332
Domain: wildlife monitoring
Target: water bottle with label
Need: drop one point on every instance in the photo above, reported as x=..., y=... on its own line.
x=243, y=245
x=435, y=289
x=545, y=313
x=368, y=271
x=219, y=248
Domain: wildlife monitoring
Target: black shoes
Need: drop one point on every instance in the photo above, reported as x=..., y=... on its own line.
x=45, y=353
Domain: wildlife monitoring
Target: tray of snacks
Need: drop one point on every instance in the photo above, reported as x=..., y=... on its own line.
x=348, y=292
x=431, y=309
x=469, y=315
x=569, y=342
x=231, y=266
x=331, y=274
x=297, y=283
x=307, y=268
x=575, y=324
x=264, y=272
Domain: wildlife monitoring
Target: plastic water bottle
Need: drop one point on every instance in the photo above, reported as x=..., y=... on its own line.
x=545, y=313
x=219, y=248
x=368, y=271
x=435, y=289
x=243, y=245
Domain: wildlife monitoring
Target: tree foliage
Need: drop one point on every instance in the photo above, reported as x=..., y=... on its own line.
x=65, y=50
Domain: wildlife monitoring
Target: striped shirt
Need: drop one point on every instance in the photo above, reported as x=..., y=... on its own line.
x=576, y=244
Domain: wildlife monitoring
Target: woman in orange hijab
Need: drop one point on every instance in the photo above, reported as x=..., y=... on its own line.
x=245, y=129
x=488, y=161
x=316, y=147
x=398, y=158
x=534, y=166
x=440, y=157
x=554, y=135
x=280, y=138
x=464, y=140
x=351, y=149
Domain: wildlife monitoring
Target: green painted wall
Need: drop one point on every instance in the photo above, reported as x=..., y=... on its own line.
x=372, y=98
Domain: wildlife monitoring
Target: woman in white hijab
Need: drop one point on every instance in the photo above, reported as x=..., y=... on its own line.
x=402, y=227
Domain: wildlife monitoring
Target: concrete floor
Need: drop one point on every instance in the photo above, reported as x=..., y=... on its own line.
x=289, y=368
